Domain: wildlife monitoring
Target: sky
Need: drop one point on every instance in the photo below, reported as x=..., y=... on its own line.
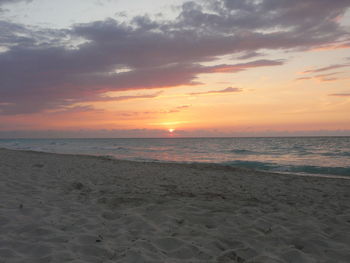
x=176, y=68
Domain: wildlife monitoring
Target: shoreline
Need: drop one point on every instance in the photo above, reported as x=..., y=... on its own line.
x=83, y=208
x=207, y=164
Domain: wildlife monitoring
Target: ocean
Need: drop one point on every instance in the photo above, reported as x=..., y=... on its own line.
x=327, y=156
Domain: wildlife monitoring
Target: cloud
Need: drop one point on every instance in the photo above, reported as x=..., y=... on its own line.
x=333, y=47
x=250, y=54
x=2, y=2
x=178, y=109
x=6, y=2
x=331, y=67
x=328, y=79
x=151, y=113
x=58, y=86
x=303, y=22
x=303, y=78
x=340, y=94
x=244, y=66
x=89, y=108
x=75, y=109
x=47, y=69
x=122, y=98
x=227, y=90
x=322, y=77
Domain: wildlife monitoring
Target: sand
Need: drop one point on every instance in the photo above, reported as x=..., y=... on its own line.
x=70, y=208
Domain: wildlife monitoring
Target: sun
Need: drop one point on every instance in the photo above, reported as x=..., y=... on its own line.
x=171, y=130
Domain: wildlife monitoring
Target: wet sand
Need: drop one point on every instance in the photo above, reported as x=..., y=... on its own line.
x=71, y=208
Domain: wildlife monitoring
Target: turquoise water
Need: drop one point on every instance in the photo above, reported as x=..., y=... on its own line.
x=310, y=155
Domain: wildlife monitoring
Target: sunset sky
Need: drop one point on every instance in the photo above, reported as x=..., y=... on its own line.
x=137, y=68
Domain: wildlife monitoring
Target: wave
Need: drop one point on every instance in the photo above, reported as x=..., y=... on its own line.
x=243, y=152
x=111, y=148
x=335, y=154
x=320, y=170
x=120, y=148
x=302, y=169
x=300, y=152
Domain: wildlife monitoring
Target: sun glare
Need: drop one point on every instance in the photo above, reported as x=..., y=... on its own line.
x=171, y=130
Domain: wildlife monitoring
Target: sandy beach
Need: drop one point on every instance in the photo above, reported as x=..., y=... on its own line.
x=71, y=208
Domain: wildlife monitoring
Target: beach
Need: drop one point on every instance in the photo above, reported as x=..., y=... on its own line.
x=76, y=208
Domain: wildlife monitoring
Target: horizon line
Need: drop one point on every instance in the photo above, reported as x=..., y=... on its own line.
x=172, y=137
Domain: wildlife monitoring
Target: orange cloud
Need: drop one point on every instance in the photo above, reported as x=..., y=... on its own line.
x=122, y=98
x=322, y=77
x=340, y=94
x=332, y=47
x=227, y=90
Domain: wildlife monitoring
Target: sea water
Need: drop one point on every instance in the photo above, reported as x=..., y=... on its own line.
x=301, y=155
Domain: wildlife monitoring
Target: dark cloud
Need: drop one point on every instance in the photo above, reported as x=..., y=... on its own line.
x=243, y=66
x=58, y=80
x=300, y=17
x=227, y=90
x=13, y=34
x=75, y=109
x=250, y=54
x=309, y=19
x=43, y=69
